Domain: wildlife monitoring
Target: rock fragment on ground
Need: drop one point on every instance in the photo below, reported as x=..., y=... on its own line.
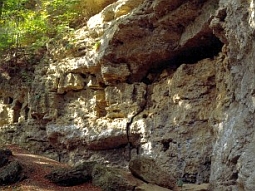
x=4, y=156
x=109, y=179
x=72, y=176
x=11, y=173
x=147, y=170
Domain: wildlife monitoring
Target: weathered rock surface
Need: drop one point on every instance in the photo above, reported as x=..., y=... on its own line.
x=11, y=173
x=147, y=170
x=4, y=156
x=170, y=80
x=112, y=179
x=69, y=177
x=107, y=178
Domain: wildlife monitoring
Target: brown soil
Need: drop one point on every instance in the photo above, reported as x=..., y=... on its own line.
x=36, y=167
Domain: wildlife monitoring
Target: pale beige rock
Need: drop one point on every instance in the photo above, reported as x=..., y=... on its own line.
x=93, y=82
x=5, y=115
x=70, y=82
x=125, y=100
x=160, y=84
x=126, y=6
x=147, y=170
x=102, y=94
x=173, y=122
x=115, y=73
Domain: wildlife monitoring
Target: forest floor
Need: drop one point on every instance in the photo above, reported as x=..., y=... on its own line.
x=36, y=168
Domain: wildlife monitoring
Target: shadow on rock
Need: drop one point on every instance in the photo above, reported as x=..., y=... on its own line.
x=10, y=171
x=72, y=176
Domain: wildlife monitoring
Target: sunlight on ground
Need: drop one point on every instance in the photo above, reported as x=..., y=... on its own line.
x=35, y=188
x=24, y=188
x=41, y=160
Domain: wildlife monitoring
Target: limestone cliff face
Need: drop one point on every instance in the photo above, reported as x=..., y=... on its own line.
x=171, y=80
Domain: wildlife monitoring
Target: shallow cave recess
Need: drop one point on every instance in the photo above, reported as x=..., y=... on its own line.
x=199, y=48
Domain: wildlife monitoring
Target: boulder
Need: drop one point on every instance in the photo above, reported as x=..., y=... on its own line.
x=3, y=160
x=147, y=170
x=113, y=179
x=4, y=155
x=11, y=173
x=72, y=176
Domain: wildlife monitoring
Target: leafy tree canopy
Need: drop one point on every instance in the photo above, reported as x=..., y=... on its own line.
x=33, y=22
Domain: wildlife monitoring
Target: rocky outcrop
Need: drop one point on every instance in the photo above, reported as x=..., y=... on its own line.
x=233, y=147
x=168, y=80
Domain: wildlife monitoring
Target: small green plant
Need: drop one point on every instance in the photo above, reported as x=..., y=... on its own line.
x=97, y=45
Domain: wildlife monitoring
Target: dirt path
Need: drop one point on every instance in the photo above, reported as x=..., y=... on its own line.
x=36, y=168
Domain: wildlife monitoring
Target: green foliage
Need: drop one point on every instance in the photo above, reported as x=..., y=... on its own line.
x=97, y=45
x=31, y=23
x=20, y=25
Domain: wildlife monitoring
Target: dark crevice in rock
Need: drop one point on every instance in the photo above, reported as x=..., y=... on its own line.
x=130, y=144
x=166, y=144
x=8, y=100
x=235, y=159
x=26, y=112
x=209, y=46
x=17, y=110
x=234, y=176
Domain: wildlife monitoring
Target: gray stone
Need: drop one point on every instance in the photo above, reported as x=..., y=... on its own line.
x=147, y=170
x=111, y=179
x=3, y=160
x=11, y=173
x=4, y=156
x=69, y=177
x=194, y=116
